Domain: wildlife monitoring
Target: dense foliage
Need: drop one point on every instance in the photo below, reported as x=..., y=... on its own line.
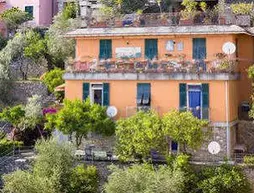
x=137, y=135
x=53, y=79
x=251, y=76
x=145, y=131
x=184, y=128
x=145, y=178
x=52, y=172
x=6, y=146
x=14, y=17
x=79, y=118
x=225, y=178
x=84, y=179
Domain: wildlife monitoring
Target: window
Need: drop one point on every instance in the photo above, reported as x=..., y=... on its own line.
x=29, y=10
x=105, y=49
x=151, y=48
x=170, y=45
x=144, y=95
x=180, y=46
x=98, y=93
x=199, y=48
x=195, y=98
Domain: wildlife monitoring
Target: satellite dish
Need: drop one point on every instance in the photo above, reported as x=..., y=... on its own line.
x=111, y=111
x=229, y=48
x=214, y=147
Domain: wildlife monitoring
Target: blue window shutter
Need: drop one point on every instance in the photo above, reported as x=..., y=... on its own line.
x=106, y=96
x=151, y=48
x=86, y=90
x=199, y=48
x=143, y=89
x=205, y=101
x=183, y=96
x=105, y=49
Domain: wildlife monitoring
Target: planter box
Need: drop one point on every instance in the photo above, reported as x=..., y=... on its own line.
x=186, y=22
x=222, y=21
x=118, y=23
x=243, y=20
x=101, y=24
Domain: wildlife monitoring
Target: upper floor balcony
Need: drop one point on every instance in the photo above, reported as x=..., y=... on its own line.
x=132, y=69
x=170, y=19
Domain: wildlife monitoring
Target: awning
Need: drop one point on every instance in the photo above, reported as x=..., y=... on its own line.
x=60, y=88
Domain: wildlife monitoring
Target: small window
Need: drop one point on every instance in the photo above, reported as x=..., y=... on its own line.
x=180, y=46
x=29, y=10
x=170, y=45
x=143, y=95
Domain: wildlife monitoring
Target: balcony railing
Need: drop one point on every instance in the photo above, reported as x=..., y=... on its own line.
x=169, y=19
x=153, y=66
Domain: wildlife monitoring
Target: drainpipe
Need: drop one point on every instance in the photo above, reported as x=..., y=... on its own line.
x=227, y=123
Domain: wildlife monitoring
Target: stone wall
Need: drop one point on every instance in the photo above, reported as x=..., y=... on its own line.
x=246, y=135
x=21, y=90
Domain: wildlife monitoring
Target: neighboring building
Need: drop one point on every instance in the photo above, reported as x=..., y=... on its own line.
x=43, y=11
x=166, y=66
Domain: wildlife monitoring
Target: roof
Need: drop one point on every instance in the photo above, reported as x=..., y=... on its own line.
x=168, y=30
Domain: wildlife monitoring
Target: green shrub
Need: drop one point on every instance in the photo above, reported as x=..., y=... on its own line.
x=223, y=179
x=145, y=178
x=84, y=179
x=242, y=8
x=53, y=78
x=248, y=159
x=6, y=146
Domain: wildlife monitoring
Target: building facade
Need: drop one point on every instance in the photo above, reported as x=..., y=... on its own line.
x=165, y=68
x=42, y=11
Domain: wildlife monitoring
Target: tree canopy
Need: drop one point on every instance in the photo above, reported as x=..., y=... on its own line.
x=138, y=135
x=184, y=128
x=79, y=118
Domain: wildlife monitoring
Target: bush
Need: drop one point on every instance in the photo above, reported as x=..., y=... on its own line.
x=53, y=78
x=242, y=8
x=84, y=179
x=6, y=146
x=225, y=178
x=248, y=159
x=145, y=178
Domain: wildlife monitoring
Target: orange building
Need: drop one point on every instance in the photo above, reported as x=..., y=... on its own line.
x=197, y=68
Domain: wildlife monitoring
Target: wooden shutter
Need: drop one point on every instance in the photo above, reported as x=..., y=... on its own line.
x=199, y=48
x=143, y=89
x=205, y=101
x=106, y=94
x=151, y=48
x=105, y=49
x=182, y=96
x=86, y=90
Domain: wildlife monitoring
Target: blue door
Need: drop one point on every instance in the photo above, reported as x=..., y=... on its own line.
x=194, y=95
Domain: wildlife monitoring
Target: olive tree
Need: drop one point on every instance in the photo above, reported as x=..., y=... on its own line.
x=79, y=118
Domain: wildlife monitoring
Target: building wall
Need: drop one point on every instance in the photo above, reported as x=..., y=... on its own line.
x=164, y=96
x=89, y=47
x=42, y=9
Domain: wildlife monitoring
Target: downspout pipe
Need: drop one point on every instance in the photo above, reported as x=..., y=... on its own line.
x=227, y=123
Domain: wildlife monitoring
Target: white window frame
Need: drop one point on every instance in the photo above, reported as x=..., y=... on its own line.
x=91, y=91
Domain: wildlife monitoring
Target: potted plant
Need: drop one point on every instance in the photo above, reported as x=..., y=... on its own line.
x=242, y=12
x=164, y=19
x=189, y=12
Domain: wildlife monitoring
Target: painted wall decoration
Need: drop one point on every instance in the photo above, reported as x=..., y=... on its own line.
x=128, y=52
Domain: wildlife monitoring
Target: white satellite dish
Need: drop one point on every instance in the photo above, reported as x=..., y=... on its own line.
x=214, y=147
x=229, y=48
x=111, y=111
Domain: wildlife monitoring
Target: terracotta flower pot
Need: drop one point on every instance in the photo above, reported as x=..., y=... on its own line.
x=186, y=22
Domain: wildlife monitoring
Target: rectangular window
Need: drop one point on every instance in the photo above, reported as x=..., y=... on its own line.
x=105, y=49
x=170, y=45
x=151, y=48
x=199, y=48
x=144, y=95
x=180, y=46
x=29, y=10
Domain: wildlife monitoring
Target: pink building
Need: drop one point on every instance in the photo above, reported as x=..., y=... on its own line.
x=43, y=11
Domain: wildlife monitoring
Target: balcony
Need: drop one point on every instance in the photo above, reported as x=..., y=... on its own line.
x=169, y=19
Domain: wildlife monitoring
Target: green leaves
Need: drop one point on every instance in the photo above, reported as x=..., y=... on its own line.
x=139, y=134
x=184, y=128
x=81, y=117
x=53, y=78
